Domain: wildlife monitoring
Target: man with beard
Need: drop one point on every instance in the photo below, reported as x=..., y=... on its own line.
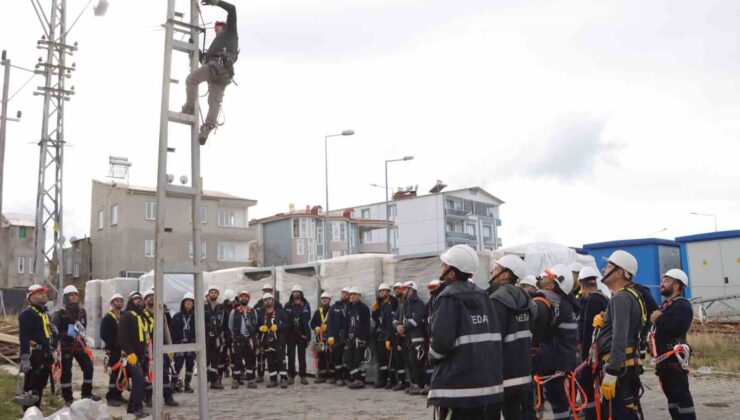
x=336, y=329
x=271, y=322
x=71, y=322
x=214, y=313
x=109, y=335
x=319, y=325
x=229, y=303
x=512, y=305
x=529, y=284
x=243, y=328
x=672, y=321
x=298, y=312
x=183, y=332
x=383, y=310
x=356, y=339
x=133, y=338
x=397, y=378
x=36, y=339
x=409, y=324
x=149, y=365
x=259, y=307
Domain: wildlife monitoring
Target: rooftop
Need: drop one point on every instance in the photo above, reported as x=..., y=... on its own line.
x=710, y=236
x=151, y=190
x=20, y=219
x=451, y=192
x=333, y=216
x=630, y=242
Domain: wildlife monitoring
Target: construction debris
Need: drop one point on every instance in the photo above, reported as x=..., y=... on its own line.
x=9, y=344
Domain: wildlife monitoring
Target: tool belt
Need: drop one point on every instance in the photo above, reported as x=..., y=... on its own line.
x=221, y=68
x=631, y=358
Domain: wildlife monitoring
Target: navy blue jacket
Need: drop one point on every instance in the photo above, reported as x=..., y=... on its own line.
x=672, y=325
x=299, y=316
x=558, y=346
x=412, y=314
x=214, y=320
x=383, y=318
x=316, y=318
x=358, y=322
x=183, y=327
x=63, y=319
x=31, y=326
x=591, y=306
x=512, y=306
x=109, y=332
x=337, y=323
x=277, y=318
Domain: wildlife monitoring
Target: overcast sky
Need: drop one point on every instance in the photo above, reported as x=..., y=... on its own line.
x=594, y=121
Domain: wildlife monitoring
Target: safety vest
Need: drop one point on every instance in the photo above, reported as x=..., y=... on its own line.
x=113, y=315
x=150, y=318
x=44, y=321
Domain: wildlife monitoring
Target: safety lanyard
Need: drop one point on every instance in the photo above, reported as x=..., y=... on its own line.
x=323, y=317
x=44, y=321
x=186, y=322
x=143, y=331
x=150, y=318
x=633, y=292
x=113, y=315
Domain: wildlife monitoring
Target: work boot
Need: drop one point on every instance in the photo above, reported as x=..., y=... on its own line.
x=205, y=131
x=170, y=402
x=356, y=384
x=304, y=381
x=113, y=403
x=93, y=397
x=400, y=386
x=331, y=381
x=176, y=384
x=291, y=381
x=217, y=385
x=139, y=414
x=68, y=403
x=413, y=389
x=284, y=383
x=260, y=379
x=389, y=385
x=424, y=391
x=320, y=380
x=251, y=385
x=272, y=383
x=187, y=110
x=189, y=389
x=147, y=402
x=340, y=382
x=234, y=384
x=379, y=385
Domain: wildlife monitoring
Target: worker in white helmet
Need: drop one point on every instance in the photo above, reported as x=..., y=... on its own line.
x=618, y=339
x=71, y=321
x=267, y=288
x=298, y=333
x=230, y=302
x=575, y=268
x=214, y=322
x=593, y=302
x=410, y=324
x=670, y=349
x=356, y=338
x=243, y=327
x=36, y=338
x=271, y=323
x=382, y=312
x=168, y=393
x=318, y=323
x=183, y=332
x=529, y=284
x=434, y=287
x=336, y=329
x=109, y=335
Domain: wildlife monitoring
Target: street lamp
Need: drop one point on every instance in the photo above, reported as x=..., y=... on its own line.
x=387, y=205
x=706, y=214
x=326, y=167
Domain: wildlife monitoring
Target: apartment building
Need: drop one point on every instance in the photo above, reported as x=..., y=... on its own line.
x=16, y=250
x=122, y=223
x=78, y=261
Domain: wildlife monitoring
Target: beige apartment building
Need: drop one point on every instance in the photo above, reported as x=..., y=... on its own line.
x=16, y=250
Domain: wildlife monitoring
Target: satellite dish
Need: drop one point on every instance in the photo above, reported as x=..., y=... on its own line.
x=184, y=179
x=170, y=178
x=101, y=8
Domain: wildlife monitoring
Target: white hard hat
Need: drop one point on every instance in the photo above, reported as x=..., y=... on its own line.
x=462, y=257
x=384, y=286
x=588, y=272
x=70, y=289
x=678, y=275
x=35, y=288
x=514, y=264
x=229, y=294
x=134, y=293
x=148, y=293
x=268, y=296
x=576, y=267
x=355, y=291
x=267, y=286
x=116, y=296
x=325, y=295
x=564, y=277
x=346, y=290
x=410, y=284
x=296, y=288
x=624, y=260
x=213, y=287
x=397, y=284
x=530, y=280
x=243, y=292
x=189, y=295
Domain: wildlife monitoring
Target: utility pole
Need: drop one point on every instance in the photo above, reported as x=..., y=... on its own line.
x=3, y=123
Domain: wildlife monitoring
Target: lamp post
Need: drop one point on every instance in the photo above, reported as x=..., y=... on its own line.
x=326, y=168
x=387, y=205
x=707, y=214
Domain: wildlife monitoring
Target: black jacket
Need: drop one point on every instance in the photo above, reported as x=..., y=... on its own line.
x=260, y=305
x=228, y=41
x=465, y=349
x=412, y=315
x=299, y=316
x=316, y=320
x=591, y=306
x=337, y=324
x=512, y=306
x=671, y=327
x=133, y=333
x=109, y=332
x=214, y=321
x=183, y=326
x=65, y=320
x=243, y=322
x=621, y=331
x=558, y=346
x=31, y=329
x=358, y=322
x=270, y=339
x=383, y=316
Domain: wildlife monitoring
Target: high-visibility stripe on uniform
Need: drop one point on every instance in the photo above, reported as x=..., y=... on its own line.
x=477, y=338
x=466, y=393
x=517, y=381
x=685, y=410
x=517, y=336
x=568, y=326
x=436, y=355
x=563, y=415
x=417, y=340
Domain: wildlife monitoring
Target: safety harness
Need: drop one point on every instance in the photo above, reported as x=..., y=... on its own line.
x=680, y=349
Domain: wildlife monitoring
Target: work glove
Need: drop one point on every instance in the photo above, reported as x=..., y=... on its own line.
x=375, y=306
x=598, y=320
x=25, y=363
x=330, y=341
x=273, y=328
x=263, y=329
x=132, y=359
x=209, y=2
x=318, y=330
x=609, y=386
x=388, y=345
x=323, y=328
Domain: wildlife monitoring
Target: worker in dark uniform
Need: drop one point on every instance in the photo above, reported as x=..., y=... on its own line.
x=542, y=317
x=272, y=322
x=109, y=335
x=298, y=333
x=513, y=313
x=465, y=344
x=183, y=332
x=575, y=270
x=337, y=328
x=434, y=287
x=36, y=340
x=670, y=348
x=398, y=351
x=150, y=366
x=593, y=302
x=356, y=339
x=71, y=322
x=409, y=324
x=243, y=329
x=558, y=346
x=267, y=289
x=382, y=312
x=319, y=325
x=529, y=284
x=618, y=339
x=227, y=343
x=133, y=338
x=214, y=313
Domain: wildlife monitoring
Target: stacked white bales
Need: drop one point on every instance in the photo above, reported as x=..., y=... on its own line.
x=364, y=271
x=243, y=278
x=94, y=308
x=175, y=287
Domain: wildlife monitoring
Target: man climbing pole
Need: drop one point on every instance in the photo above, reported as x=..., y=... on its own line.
x=217, y=69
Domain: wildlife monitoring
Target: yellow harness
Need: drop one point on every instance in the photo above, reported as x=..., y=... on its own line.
x=44, y=320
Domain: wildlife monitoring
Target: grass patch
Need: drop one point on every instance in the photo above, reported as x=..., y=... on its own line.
x=719, y=351
x=10, y=411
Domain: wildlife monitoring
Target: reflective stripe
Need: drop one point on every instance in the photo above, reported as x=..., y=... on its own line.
x=381, y=368
x=66, y=385
x=417, y=340
x=412, y=322
x=685, y=410
x=435, y=354
x=401, y=371
x=517, y=335
x=249, y=371
x=672, y=405
x=237, y=372
x=188, y=374
x=477, y=338
x=568, y=326
x=282, y=372
x=353, y=371
x=273, y=374
x=430, y=370
x=165, y=386
x=563, y=415
x=87, y=381
x=210, y=369
x=522, y=380
x=337, y=366
x=466, y=393
x=111, y=386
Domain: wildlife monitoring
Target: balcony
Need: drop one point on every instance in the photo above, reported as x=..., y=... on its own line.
x=455, y=238
x=456, y=213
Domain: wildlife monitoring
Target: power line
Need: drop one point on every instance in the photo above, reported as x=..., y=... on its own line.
x=21, y=88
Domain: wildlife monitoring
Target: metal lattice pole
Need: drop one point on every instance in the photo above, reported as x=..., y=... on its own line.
x=49, y=195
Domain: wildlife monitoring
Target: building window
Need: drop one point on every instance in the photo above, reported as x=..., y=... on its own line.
x=151, y=211
x=68, y=265
x=365, y=213
x=76, y=271
x=450, y=204
x=203, y=252
x=352, y=237
x=300, y=247
x=226, y=218
x=487, y=232
x=367, y=237
x=338, y=232
x=21, y=265
x=233, y=251
x=320, y=241
x=149, y=248
x=470, y=228
x=101, y=219
x=22, y=232
x=336, y=253
x=114, y=215
x=393, y=211
x=394, y=238
x=203, y=213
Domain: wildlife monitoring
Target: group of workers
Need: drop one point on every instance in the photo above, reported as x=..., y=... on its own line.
x=569, y=337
